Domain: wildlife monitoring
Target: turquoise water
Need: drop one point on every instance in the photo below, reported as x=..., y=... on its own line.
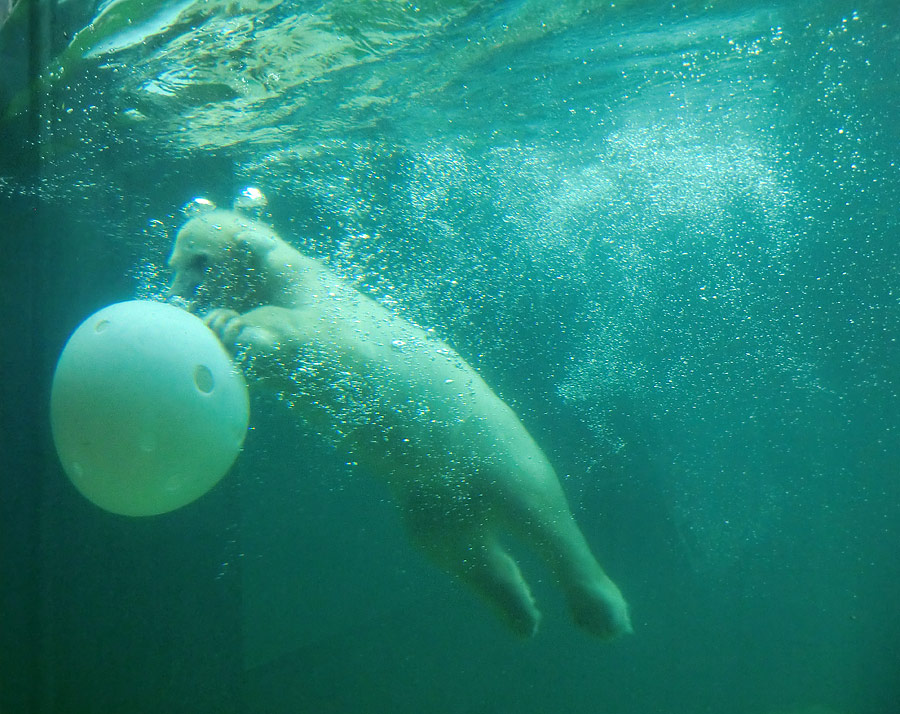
x=666, y=233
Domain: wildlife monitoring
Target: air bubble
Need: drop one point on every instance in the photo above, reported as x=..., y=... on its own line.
x=251, y=197
x=198, y=206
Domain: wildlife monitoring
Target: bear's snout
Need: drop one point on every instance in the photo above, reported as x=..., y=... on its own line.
x=181, y=287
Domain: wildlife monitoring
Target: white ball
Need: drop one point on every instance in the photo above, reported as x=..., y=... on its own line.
x=147, y=410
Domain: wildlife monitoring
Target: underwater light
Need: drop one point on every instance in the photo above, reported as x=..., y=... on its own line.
x=146, y=408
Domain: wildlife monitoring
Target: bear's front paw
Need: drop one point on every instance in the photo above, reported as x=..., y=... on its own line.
x=241, y=332
x=226, y=324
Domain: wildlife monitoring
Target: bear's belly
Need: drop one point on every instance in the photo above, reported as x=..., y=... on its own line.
x=398, y=401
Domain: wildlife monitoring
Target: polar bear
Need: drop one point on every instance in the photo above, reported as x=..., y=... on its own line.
x=403, y=404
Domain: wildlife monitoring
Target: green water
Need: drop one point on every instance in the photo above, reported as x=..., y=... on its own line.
x=665, y=232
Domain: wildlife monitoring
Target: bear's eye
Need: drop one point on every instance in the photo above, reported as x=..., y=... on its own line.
x=200, y=262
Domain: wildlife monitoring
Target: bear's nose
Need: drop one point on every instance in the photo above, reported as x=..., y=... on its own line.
x=180, y=293
x=182, y=284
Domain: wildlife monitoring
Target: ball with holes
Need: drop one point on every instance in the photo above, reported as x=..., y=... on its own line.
x=146, y=409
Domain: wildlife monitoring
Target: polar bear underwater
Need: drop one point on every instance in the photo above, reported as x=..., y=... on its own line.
x=405, y=406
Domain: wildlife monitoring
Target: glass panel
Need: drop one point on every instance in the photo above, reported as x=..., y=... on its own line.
x=518, y=289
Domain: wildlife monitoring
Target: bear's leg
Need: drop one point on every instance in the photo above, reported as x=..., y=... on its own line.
x=542, y=519
x=478, y=559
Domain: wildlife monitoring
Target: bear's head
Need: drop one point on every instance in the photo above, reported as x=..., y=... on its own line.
x=219, y=261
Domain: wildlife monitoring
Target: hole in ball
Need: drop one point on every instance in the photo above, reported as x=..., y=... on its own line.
x=203, y=378
x=102, y=325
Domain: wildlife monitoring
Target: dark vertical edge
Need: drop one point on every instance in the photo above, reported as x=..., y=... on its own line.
x=23, y=359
